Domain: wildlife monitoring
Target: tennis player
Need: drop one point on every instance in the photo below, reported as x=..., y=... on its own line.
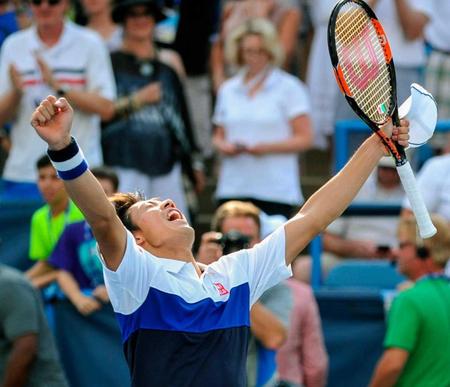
x=182, y=324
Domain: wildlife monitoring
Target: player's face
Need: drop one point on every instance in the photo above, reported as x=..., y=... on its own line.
x=254, y=54
x=47, y=13
x=50, y=185
x=139, y=23
x=161, y=223
x=243, y=224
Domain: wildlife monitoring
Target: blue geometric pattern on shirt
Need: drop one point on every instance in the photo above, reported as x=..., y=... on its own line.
x=90, y=262
x=169, y=312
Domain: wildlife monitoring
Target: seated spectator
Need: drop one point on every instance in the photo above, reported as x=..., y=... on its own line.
x=284, y=14
x=56, y=57
x=259, y=132
x=237, y=223
x=148, y=140
x=28, y=355
x=417, y=343
x=48, y=222
x=80, y=274
x=361, y=236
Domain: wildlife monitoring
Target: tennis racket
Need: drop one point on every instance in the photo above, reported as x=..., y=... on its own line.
x=364, y=70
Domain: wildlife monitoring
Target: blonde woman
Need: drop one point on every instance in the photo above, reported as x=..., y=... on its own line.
x=261, y=123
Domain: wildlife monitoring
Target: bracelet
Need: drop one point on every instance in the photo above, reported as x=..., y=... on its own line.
x=69, y=162
x=124, y=106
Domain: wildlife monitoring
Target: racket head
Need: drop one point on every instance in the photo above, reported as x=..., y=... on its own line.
x=362, y=61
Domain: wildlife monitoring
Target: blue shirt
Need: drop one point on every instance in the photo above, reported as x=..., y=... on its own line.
x=180, y=329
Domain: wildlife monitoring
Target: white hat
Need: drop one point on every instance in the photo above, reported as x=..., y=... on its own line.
x=421, y=111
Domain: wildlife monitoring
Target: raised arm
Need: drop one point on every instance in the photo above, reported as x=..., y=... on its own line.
x=333, y=198
x=52, y=120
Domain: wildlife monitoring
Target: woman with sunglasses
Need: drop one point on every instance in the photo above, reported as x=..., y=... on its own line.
x=54, y=56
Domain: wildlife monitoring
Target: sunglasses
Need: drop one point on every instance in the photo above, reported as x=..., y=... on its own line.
x=49, y=2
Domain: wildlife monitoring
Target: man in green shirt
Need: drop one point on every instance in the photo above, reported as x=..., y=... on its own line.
x=48, y=222
x=417, y=342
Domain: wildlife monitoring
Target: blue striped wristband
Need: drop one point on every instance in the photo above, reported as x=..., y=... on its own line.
x=69, y=162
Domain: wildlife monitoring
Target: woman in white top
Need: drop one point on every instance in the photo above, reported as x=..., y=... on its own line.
x=262, y=123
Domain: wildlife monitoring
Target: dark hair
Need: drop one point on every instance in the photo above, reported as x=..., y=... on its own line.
x=107, y=173
x=43, y=161
x=122, y=203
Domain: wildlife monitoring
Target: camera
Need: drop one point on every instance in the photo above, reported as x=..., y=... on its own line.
x=233, y=241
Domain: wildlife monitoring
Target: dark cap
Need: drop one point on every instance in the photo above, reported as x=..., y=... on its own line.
x=121, y=6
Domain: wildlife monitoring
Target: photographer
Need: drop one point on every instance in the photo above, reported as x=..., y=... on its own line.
x=237, y=225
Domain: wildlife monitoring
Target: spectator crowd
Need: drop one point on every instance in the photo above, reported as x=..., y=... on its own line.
x=228, y=107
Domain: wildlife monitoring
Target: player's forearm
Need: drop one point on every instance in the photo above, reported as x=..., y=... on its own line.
x=332, y=199
x=21, y=358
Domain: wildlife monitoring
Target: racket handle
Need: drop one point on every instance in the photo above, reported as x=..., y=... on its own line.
x=426, y=227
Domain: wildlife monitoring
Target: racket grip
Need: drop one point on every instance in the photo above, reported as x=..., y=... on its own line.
x=426, y=227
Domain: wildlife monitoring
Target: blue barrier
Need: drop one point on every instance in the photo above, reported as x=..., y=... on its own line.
x=349, y=134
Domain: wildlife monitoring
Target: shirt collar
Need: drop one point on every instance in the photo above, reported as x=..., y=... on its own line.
x=172, y=265
x=37, y=44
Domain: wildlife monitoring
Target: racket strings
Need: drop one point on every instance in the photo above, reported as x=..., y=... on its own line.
x=363, y=63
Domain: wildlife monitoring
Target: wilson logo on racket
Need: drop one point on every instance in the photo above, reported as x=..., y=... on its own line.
x=365, y=70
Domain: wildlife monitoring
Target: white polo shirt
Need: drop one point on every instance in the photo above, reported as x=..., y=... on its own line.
x=182, y=329
x=261, y=118
x=79, y=61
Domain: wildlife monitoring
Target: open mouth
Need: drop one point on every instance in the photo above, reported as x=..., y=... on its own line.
x=174, y=215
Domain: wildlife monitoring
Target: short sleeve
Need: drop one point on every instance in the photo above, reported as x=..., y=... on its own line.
x=265, y=264
x=298, y=102
x=128, y=286
x=65, y=252
x=19, y=310
x=403, y=324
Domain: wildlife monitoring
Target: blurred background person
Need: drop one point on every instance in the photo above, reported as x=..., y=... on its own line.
x=197, y=27
x=259, y=132
x=363, y=237
x=417, y=343
x=149, y=139
x=239, y=225
x=54, y=56
x=98, y=15
x=301, y=358
x=28, y=355
x=284, y=14
x=48, y=222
